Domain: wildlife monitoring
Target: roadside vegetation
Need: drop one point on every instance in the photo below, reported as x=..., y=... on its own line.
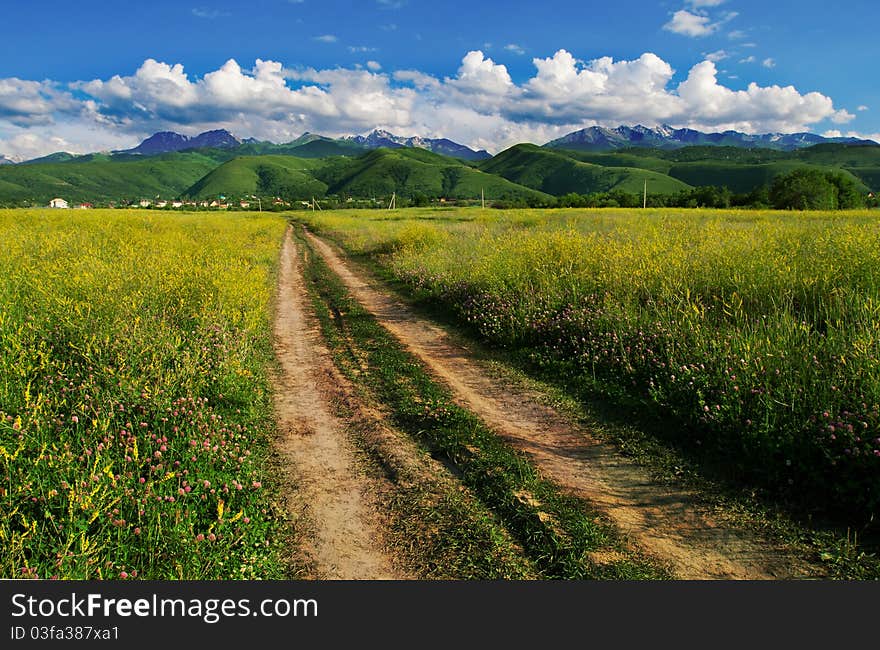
x=755, y=332
x=135, y=412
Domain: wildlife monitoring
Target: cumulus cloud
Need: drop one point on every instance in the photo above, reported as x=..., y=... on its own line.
x=771, y=108
x=862, y=108
x=29, y=103
x=516, y=49
x=690, y=24
x=768, y=63
x=480, y=105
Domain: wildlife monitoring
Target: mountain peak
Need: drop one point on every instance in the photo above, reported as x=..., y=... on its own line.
x=168, y=141
x=383, y=138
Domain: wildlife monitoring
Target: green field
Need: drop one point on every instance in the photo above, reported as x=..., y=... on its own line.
x=756, y=333
x=135, y=411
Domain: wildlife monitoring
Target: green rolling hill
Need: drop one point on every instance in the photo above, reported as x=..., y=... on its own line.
x=741, y=170
x=100, y=178
x=260, y=175
x=743, y=178
x=379, y=173
x=417, y=171
x=557, y=173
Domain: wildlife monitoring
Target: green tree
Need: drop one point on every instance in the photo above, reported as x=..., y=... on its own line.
x=803, y=189
x=848, y=195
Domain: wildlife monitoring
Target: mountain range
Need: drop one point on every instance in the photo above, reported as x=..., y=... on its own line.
x=596, y=160
x=598, y=138
x=594, y=138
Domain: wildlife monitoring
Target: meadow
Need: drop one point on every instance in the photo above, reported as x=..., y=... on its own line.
x=135, y=411
x=755, y=335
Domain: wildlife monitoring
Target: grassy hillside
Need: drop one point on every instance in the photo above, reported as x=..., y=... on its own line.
x=413, y=171
x=743, y=178
x=620, y=159
x=101, y=178
x=262, y=175
x=739, y=169
x=558, y=173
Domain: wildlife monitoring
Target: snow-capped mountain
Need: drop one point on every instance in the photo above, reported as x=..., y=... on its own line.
x=380, y=138
x=598, y=138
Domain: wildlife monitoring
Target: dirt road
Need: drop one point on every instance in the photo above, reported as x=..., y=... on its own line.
x=665, y=523
x=329, y=492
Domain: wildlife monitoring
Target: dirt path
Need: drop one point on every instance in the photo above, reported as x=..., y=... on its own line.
x=313, y=445
x=663, y=522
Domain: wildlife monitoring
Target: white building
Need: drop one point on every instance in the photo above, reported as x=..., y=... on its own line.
x=59, y=203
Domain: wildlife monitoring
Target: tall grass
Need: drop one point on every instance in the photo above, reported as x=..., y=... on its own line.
x=757, y=331
x=134, y=404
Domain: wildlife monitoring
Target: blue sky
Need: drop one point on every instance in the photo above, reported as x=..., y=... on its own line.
x=92, y=75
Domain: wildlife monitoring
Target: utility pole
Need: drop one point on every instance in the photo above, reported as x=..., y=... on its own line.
x=645, y=196
x=482, y=199
x=393, y=203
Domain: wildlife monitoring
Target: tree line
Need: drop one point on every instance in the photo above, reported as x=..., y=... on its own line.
x=801, y=189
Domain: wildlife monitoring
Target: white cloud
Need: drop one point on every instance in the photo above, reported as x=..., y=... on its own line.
x=862, y=108
x=480, y=75
x=516, y=49
x=771, y=108
x=748, y=59
x=716, y=56
x=325, y=38
x=737, y=34
x=688, y=24
x=28, y=103
x=768, y=63
x=704, y=3
x=361, y=48
x=480, y=105
x=836, y=133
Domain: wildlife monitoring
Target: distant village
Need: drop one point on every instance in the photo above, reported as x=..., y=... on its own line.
x=221, y=204
x=272, y=204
